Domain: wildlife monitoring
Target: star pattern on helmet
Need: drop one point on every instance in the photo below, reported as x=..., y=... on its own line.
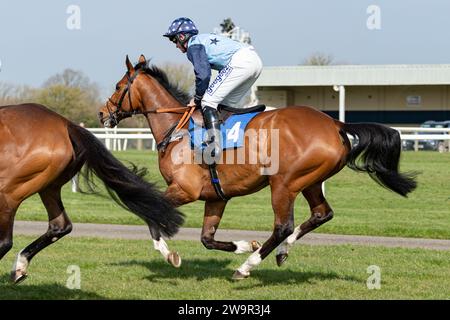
x=214, y=41
x=184, y=25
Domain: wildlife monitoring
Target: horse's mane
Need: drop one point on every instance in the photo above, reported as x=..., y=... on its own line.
x=161, y=76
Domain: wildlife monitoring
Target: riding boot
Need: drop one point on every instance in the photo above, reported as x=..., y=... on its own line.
x=212, y=125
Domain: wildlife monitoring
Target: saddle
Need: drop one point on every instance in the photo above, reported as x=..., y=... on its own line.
x=196, y=116
x=225, y=112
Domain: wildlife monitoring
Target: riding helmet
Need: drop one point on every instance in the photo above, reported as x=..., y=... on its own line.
x=181, y=25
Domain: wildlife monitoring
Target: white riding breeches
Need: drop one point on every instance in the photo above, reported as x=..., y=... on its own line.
x=235, y=80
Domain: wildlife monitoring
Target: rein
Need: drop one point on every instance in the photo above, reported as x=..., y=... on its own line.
x=184, y=119
x=187, y=113
x=115, y=116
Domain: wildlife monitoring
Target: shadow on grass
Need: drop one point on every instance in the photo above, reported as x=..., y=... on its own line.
x=201, y=269
x=288, y=277
x=190, y=269
x=22, y=291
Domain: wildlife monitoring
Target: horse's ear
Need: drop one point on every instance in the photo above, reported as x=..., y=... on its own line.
x=142, y=59
x=129, y=65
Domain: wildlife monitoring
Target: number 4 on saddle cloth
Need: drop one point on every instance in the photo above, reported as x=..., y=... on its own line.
x=232, y=128
x=234, y=122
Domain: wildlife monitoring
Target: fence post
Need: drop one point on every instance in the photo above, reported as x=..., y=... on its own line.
x=139, y=143
x=416, y=143
x=75, y=181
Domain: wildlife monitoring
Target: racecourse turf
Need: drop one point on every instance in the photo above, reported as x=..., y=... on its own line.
x=360, y=205
x=131, y=269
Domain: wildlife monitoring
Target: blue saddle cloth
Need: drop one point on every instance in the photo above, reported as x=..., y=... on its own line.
x=232, y=131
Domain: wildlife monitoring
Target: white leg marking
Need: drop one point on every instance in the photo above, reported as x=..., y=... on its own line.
x=282, y=248
x=21, y=264
x=293, y=237
x=286, y=244
x=252, y=261
x=162, y=247
x=243, y=246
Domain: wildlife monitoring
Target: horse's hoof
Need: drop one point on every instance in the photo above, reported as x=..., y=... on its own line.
x=18, y=277
x=174, y=259
x=255, y=245
x=240, y=276
x=281, y=258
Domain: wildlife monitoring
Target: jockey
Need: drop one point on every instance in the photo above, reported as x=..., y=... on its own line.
x=238, y=64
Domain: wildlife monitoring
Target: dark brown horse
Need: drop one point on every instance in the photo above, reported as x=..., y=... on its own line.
x=41, y=151
x=306, y=148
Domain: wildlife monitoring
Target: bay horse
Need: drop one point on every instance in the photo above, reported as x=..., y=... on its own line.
x=40, y=151
x=312, y=147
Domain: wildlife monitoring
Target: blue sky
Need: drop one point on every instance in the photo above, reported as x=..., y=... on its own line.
x=35, y=42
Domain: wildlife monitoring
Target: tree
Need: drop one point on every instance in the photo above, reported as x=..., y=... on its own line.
x=72, y=95
x=14, y=94
x=319, y=59
x=74, y=79
x=230, y=30
x=72, y=103
x=68, y=78
x=227, y=25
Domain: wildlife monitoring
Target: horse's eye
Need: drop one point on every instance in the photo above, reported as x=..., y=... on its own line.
x=117, y=87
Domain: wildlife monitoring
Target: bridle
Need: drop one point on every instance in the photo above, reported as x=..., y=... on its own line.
x=118, y=114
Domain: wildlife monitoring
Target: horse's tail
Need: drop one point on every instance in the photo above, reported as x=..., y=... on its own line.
x=377, y=151
x=126, y=187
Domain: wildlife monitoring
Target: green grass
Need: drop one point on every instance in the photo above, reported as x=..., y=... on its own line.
x=125, y=269
x=360, y=205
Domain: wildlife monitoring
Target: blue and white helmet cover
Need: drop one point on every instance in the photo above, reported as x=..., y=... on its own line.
x=181, y=25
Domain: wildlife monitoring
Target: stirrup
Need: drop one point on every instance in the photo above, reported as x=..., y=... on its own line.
x=212, y=126
x=216, y=182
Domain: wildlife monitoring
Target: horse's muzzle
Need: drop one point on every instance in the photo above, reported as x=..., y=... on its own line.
x=108, y=121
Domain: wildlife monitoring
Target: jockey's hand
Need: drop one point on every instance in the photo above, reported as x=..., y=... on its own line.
x=192, y=103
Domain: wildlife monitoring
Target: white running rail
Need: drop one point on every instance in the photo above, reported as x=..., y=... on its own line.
x=116, y=139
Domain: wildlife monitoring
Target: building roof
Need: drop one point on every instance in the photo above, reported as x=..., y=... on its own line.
x=356, y=75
